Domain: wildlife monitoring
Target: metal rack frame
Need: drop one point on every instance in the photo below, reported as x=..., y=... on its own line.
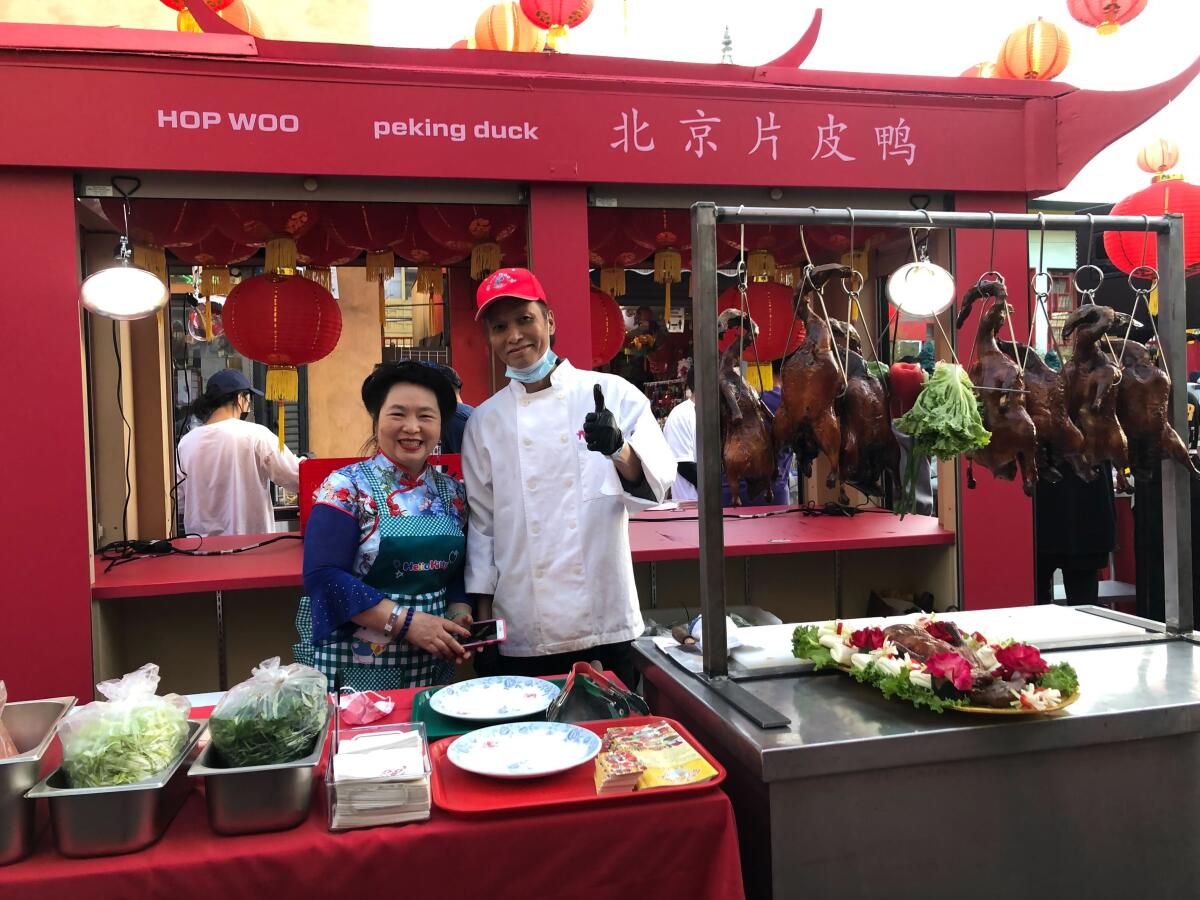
x=1172, y=319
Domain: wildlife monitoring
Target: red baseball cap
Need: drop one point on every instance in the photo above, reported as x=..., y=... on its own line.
x=510, y=282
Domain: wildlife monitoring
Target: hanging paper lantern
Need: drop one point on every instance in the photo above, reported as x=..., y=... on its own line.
x=428, y=256
x=274, y=224
x=504, y=27
x=1106, y=16
x=556, y=16
x=610, y=250
x=237, y=14
x=668, y=233
x=1158, y=157
x=1171, y=194
x=985, y=69
x=608, y=328
x=767, y=246
x=373, y=227
x=769, y=304
x=214, y=254
x=490, y=235
x=320, y=251
x=215, y=5
x=155, y=225
x=284, y=321
x=1038, y=51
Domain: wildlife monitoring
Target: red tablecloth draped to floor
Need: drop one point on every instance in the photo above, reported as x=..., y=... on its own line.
x=677, y=846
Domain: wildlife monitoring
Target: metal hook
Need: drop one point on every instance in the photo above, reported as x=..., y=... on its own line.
x=1145, y=238
x=1091, y=238
x=851, y=213
x=992, y=252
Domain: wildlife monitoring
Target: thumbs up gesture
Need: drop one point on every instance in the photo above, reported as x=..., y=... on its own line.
x=600, y=428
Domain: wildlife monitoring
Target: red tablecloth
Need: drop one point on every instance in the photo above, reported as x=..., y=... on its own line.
x=681, y=846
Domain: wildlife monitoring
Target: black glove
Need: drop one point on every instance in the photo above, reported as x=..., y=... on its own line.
x=688, y=471
x=600, y=428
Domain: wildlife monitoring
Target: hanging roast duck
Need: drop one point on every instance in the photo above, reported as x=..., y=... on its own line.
x=869, y=447
x=1143, y=401
x=747, y=445
x=1091, y=378
x=811, y=381
x=1001, y=390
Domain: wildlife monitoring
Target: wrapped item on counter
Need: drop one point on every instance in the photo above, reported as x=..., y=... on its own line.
x=272, y=717
x=7, y=747
x=130, y=737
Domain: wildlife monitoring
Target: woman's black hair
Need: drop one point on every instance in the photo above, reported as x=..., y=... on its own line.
x=209, y=402
x=386, y=375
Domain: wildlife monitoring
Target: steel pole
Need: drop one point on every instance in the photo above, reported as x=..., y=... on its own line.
x=708, y=437
x=811, y=215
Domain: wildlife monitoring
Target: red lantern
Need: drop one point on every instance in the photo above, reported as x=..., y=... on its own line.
x=608, y=328
x=214, y=254
x=1106, y=16
x=1038, y=51
x=274, y=224
x=491, y=235
x=556, y=16
x=428, y=256
x=1124, y=248
x=284, y=321
x=320, y=251
x=373, y=227
x=610, y=250
x=767, y=246
x=214, y=5
x=504, y=27
x=155, y=224
x=769, y=304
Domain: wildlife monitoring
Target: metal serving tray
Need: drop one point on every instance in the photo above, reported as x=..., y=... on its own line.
x=106, y=821
x=251, y=799
x=33, y=725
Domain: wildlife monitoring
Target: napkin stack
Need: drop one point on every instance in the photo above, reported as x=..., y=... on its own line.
x=379, y=778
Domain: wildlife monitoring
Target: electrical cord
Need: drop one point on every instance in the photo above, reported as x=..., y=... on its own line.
x=120, y=552
x=128, y=432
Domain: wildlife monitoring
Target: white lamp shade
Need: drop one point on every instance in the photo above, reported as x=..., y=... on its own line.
x=921, y=289
x=123, y=292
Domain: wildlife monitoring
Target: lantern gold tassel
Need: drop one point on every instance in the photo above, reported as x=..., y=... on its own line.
x=208, y=329
x=322, y=275
x=668, y=271
x=612, y=281
x=485, y=259
x=760, y=265
x=283, y=384
x=216, y=282
x=429, y=280
x=788, y=275
x=281, y=255
x=556, y=38
x=152, y=259
x=381, y=265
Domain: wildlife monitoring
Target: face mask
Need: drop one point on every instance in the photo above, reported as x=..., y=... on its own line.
x=535, y=373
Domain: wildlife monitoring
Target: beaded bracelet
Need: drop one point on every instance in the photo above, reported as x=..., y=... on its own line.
x=407, y=621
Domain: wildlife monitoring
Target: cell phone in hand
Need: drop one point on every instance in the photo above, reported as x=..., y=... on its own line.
x=489, y=631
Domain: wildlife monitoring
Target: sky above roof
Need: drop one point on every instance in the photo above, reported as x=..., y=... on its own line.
x=926, y=37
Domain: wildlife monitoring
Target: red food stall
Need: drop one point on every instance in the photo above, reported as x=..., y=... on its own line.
x=224, y=114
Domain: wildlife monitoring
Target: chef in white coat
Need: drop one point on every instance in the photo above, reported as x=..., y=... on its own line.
x=553, y=464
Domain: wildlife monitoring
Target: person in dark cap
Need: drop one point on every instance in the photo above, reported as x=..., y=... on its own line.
x=226, y=465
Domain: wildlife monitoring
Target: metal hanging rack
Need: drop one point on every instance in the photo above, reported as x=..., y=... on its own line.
x=1177, y=561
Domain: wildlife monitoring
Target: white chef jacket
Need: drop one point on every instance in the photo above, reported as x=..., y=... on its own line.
x=225, y=469
x=548, y=535
x=680, y=433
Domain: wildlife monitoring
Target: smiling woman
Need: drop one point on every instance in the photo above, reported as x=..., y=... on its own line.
x=385, y=546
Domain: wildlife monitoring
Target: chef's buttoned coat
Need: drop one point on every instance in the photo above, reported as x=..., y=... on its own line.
x=548, y=535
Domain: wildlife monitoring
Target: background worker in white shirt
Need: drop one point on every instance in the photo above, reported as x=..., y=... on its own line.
x=680, y=433
x=226, y=465
x=553, y=464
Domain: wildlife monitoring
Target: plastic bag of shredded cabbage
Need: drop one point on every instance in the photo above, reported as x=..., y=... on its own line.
x=271, y=717
x=7, y=747
x=130, y=737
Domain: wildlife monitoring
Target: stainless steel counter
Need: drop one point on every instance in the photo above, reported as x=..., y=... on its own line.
x=1100, y=771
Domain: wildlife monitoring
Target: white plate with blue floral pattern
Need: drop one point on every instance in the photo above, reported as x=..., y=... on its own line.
x=496, y=698
x=524, y=749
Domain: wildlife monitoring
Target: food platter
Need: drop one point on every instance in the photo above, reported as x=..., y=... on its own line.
x=524, y=749
x=495, y=698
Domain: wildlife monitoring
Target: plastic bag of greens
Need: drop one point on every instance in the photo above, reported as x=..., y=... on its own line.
x=7, y=746
x=131, y=736
x=271, y=717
